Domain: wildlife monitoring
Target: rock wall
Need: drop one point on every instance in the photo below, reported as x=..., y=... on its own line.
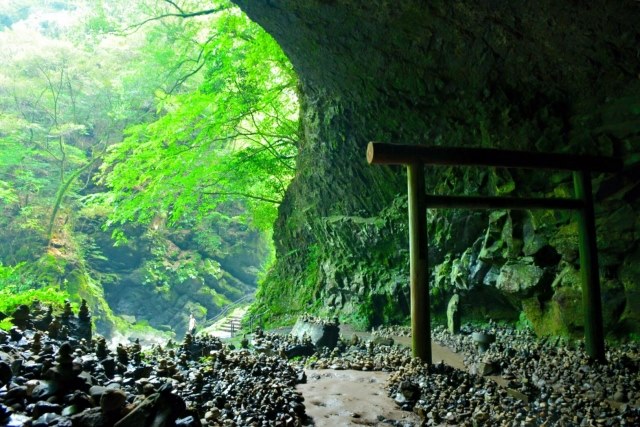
x=542, y=76
x=162, y=275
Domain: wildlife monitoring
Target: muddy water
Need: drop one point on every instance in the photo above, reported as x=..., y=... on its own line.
x=350, y=398
x=356, y=398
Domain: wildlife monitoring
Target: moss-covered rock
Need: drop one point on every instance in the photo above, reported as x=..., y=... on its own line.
x=629, y=273
x=457, y=74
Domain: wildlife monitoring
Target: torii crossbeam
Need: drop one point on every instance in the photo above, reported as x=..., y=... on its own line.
x=416, y=156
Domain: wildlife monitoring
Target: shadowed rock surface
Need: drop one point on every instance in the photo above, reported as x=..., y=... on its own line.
x=547, y=77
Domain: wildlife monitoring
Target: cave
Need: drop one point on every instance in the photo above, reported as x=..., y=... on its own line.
x=546, y=77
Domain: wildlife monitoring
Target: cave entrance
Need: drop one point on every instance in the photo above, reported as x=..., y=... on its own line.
x=415, y=157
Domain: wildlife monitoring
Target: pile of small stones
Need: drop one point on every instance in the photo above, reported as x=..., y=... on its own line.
x=391, y=331
x=200, y=382
x=361, y=355
x=547, y=384
x=69, y=380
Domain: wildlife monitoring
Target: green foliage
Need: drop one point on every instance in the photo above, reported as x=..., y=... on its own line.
x=523, y=322
x=210, y=113
x=6, y=324
x=9, y=299
x=61, y=96
x=363, y=318
x=230, y=139
x=14, y=279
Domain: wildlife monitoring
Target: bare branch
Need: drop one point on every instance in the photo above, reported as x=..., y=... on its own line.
x=174, y=5
x=184, y=15
x=248, y=196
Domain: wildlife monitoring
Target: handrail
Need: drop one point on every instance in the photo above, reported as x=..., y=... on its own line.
x=254, y=316
x=223, y=313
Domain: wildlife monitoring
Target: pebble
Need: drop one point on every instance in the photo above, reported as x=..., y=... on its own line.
x=203, y=382
x=540, y=394
x=200, y=382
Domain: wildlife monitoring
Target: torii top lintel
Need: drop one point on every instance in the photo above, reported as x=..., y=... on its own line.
x=384, y=153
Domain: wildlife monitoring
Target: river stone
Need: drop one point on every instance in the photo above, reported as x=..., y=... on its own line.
x=44, y=390
x=112, y=400
x=96, y=392
x=321, y=334
x=45, y=420
x=91, y=417
x=43, y=407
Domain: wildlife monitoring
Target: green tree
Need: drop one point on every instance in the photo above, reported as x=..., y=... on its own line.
x=226, y=131
x=65, y=95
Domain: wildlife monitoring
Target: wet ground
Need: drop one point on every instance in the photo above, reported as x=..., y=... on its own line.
x=351, y=398
x=359, y=398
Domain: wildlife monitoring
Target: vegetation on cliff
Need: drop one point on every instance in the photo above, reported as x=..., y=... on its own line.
x=548, y=77
x=148, y=150
x=144, y=149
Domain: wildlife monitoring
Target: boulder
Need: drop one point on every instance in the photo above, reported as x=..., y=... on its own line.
x=321, y=334
x=520, y=277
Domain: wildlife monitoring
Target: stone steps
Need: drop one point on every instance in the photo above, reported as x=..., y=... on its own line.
x=231, y=324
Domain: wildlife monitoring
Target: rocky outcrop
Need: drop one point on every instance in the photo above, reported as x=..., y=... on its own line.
x=544, y=77
x=319, y=333
x=162, y=275
x=155, y=278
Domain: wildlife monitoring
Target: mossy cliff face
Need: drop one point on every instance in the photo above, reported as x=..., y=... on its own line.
x=161, y=275
x=544, y=76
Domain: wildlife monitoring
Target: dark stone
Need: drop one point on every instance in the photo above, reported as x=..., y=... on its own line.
x=96, y=392
x=16, y=393
x=15, y=334
x=46, y=420
x=44, y=390
x=81, y=400
x=299, y=350
x=109, y=365
x=91, y=417
x=112, y=401
x=21, y=317
x=142, y=372
x=5, y=373
x=43, y=407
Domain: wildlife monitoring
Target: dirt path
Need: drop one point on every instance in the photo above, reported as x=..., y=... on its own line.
x=356, y=398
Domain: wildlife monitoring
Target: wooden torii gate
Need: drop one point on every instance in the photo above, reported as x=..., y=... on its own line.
x=416, y=156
